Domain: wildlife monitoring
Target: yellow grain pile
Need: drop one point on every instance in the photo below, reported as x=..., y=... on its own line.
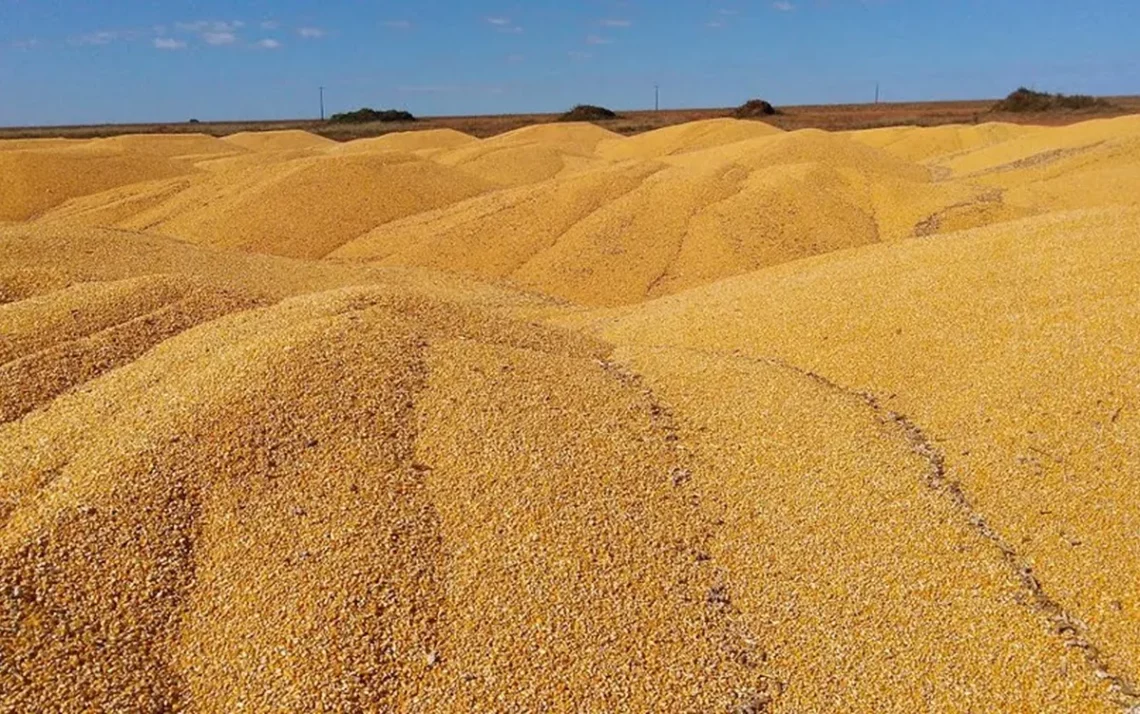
x=284, y=140
x=580, y=137
x=300, y=208
x=1012, y=351
x=683, y=138
x=410, y=141
x=932, y=143
x=171, y=146
x=46, y=143
x=716, y=212
x=715, y=419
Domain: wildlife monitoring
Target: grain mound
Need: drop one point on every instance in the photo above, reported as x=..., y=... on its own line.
x=285, y=140
x=32, y=181
x=309, y=207
x=410, y=141
x=169, y=146
x=683, y=138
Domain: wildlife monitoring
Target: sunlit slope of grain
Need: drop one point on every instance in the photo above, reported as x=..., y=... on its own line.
x=1013, y=348
x=306, y=497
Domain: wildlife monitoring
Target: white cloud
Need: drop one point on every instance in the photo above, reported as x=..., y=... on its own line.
x=103, y=37
x=783, y=6
x=25, y=44
x=596, y=40
x=168, y=43
x=270, y=24
x=615, y=23
x=219, y=38
x=398, y=24
x=268, y=44
x=214, y=26
x=715, y=24
x=504, y=25
x=515, y=58
x=311, y=33
x=579, y=55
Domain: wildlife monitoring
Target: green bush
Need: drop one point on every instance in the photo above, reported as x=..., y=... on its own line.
x=1028, y=100
x=755, y=108
x=588, y=112
x=361, y=116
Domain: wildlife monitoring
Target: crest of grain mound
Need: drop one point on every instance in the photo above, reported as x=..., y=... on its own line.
x=1012, y=348
x=284, y=140
x=35, y=180
x=307, y=207
x=337, y=503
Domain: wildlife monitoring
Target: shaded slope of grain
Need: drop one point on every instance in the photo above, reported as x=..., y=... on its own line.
x=1013, y=348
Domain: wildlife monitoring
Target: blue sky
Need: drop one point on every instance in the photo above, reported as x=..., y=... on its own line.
x=81, y=61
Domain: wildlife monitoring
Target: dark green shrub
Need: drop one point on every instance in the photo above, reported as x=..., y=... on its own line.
x=1028, y=100
x=367, y=114
x=588, y=112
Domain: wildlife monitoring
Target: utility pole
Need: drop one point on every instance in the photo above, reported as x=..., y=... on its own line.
x=876, y=92
x=657, y=97
x=322, y=103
